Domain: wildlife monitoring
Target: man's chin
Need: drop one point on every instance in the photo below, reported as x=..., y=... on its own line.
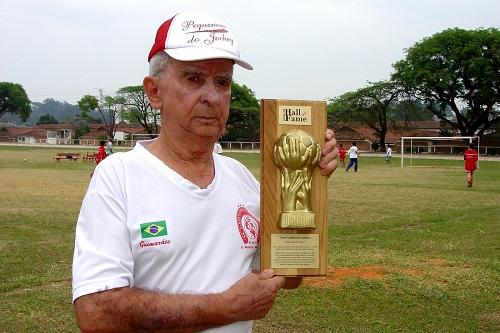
x=209, y=133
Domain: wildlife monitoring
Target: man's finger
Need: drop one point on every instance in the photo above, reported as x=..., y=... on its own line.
x=329, y=168
x=329, y=134
x=267, y=274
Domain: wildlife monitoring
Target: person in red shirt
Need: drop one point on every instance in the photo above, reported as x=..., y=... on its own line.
x=342, y=153
x=101, y=152
x=470, y=157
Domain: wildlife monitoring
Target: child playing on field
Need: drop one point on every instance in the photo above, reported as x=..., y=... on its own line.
x=342, y=153
x=109, y=147
x=101, y=152
x=353, y=158
x=470, y=157
x=388, y=156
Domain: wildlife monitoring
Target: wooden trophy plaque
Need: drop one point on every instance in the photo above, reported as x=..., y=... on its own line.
x=293, y=204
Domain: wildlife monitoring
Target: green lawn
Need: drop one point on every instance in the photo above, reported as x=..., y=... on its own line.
x=411, y=250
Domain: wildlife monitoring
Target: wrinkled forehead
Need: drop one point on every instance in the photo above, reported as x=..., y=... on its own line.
x=211, y=66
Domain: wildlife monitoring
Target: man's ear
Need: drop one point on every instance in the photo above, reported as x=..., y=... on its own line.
x=150, y=85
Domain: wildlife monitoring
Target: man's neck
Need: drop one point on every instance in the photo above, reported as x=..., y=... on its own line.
x=191, y=159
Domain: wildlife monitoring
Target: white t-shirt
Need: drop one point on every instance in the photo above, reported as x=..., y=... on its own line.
x=217, y=148
x=389, y=152
x=143, y=225
x=353, y=152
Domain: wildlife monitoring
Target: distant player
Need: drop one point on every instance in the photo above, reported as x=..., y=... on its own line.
x=101, y=152
x=109, y=147
x=388, y=156
x=353, y=158
x=342, y=153
x=470, y=157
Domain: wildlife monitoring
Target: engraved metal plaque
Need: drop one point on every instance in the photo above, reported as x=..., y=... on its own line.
x=295, y=251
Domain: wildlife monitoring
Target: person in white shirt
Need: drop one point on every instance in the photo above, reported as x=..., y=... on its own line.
x=167, y=237
x=353, y=158
x=388, y=156
x=218, y=148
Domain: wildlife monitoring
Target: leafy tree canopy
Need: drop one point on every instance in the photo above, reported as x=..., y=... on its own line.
x=13, y=99
x=46, y=119
x=371, y=106
x=81, y=125
x=242, y=97
x=458, y=70
x=109, y=108
x=410, y=109
x=242, y=125
x=243, y=122
x=138, y=109
x=88, y=103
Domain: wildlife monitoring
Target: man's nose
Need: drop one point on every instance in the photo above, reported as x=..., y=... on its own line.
x=210, y=95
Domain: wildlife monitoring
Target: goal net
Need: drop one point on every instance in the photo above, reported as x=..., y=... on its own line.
x=415, y=150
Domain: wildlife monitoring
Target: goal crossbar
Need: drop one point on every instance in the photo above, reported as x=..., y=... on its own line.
x=436, y=138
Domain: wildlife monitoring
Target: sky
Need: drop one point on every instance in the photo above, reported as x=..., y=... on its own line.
x=315, y=49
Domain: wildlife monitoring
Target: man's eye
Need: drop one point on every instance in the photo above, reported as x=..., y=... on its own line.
x=224, y=83
x=193, y=78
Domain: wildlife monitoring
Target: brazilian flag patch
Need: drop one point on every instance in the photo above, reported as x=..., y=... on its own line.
x=154, y=229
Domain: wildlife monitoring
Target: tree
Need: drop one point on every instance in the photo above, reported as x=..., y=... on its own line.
x=458, y=70
x=109, y=107
x=243, y=122
x=81, y=126
x=138, y=109
x=371, y=106
x=408, y=109
x=242, y=125
x=46, y=119
x=243, y=97
x=13, y=99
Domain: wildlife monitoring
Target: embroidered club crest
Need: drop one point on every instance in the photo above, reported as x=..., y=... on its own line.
x=248, y=226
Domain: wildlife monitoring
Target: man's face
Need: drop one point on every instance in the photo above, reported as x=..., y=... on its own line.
x=195, y=96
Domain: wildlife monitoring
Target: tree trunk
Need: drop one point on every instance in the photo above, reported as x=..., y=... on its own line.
x=383, y=133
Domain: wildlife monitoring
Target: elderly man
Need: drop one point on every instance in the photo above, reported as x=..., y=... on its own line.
x=157, y=245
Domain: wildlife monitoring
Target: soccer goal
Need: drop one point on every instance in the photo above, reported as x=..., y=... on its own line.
x=418, y=147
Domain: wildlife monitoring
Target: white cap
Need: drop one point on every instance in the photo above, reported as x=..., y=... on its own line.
x=190, y=36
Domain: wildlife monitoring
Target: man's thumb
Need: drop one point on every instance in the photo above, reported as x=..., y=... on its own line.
x=267, y=274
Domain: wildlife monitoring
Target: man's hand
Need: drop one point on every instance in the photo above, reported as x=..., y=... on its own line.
x=253, y=296
x=329, y=152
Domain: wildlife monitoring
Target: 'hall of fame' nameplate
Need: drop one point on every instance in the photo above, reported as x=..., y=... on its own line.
x=294, y=115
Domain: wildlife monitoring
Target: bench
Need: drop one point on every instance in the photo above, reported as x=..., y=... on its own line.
x=90, y=157
x=67, y=156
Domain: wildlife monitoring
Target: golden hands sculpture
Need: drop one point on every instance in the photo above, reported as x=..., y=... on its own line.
x=296, y=153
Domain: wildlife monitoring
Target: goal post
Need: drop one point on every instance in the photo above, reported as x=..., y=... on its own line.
x=431, y=147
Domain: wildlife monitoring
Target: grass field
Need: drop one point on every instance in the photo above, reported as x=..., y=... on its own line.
x=411, y=250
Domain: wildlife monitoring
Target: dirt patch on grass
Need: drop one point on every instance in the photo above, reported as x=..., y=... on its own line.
x=411, y=272
x=338, y=275
x=491, y=318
